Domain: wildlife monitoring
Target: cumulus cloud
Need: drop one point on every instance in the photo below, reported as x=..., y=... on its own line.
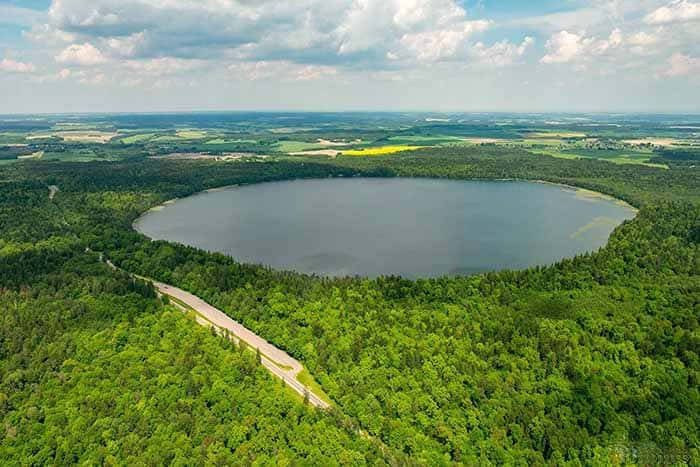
x=311, y=72
x=12, y=66
x=566, y=46
x=440, y=44
x=125, y=46
x=642, y=39
x=676, y=11
x=354, y=33
x=47, y=34
x=502, y=53
x=681, y=65
x=81, y=54
x=563, y=47
x=140, y=42
x=257, y=70
x=61, y=75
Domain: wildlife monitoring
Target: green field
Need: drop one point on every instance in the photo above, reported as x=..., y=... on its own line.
x=12, y=138
x=138, y=138
x=617, y=157
x=191, y=134
x=167, y=139
x=296, y=146
x=425, y=140
x=231, y=141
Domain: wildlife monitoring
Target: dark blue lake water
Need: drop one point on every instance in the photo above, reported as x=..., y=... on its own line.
x=403, y=226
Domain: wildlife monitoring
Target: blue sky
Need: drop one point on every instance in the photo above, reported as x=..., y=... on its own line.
x=467, y=55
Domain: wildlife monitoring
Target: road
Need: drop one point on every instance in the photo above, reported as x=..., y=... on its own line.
x=277, y=361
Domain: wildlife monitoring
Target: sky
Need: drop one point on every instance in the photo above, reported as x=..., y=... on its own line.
x=64, y=56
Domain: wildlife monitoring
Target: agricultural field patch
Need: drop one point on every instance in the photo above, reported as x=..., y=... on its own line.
x=614, y=156
x=85, y=136
x=657, y=142
x=543, y=142
x=295, y=146
x=231, y=141
x=557, y=134
x=484, y=140
x=39, y=136
x=191, y=134
x=317, y=152
x=7, y=139
x=325, y=142
x=381, y=150
x=138, y=138
x=291, y=130
x=76, y=126
x=166, y=139
x=427, y=140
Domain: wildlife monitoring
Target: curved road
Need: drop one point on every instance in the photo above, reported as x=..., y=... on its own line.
x=277, y=361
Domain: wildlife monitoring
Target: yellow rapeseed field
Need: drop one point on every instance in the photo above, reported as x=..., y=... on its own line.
x=380, y=150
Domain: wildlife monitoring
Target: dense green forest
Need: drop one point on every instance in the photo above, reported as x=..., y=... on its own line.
x=595, y=360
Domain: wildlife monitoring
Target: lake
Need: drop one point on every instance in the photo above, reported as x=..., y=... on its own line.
x=391, y=226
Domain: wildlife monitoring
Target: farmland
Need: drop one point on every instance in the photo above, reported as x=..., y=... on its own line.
x=380, y=150
x=318, y=136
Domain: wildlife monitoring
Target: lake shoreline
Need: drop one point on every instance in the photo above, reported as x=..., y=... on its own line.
x=591, y=194
x=341, y=263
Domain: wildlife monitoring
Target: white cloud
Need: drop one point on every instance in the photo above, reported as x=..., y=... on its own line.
x=582, y=18
x=676, y=11
x=125, y=46
x=282, y=70
x=441, y=44
x=45, y=33
x=681, y=65
x=63, y=74
x=162, y=66
x=312, y=72
x=258, y=70
x=81, y=54
x=12, y=66
x=642, y=39
x=353, y=33
x=93, y=79
x=564, y=46
x=502, y=53
x=141, y=42
x=368, y=25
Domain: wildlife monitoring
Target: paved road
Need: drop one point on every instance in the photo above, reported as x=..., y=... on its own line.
x=278, y=362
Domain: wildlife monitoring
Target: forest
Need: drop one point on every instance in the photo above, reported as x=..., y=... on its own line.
x=592, y=361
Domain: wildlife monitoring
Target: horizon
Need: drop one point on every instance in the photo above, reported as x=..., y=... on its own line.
x=610, y=113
